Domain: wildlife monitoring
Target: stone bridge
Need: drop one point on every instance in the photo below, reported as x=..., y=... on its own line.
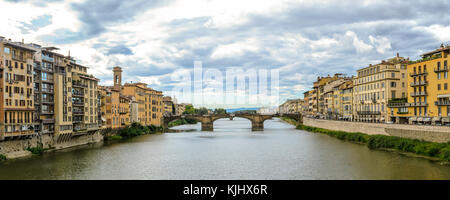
x=208, y=120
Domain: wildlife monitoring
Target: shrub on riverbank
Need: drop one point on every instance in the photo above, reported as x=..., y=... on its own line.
x=2, y=157
x=137, y=129
x=431, y=149
x=114, y=137
x=182, y=122
x=36, y=150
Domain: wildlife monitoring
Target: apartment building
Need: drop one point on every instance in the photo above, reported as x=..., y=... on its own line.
x=180, y=108
x=310, y=102
x=150, y=106
x=291, y=106
x=375, y=86
x=16, y=63
x=84, y=100
x=429, y=95
x=169, y=106
x=346, y=101
x=323, y=86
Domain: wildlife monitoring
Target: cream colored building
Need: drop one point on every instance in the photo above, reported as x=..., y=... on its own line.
x=375, y=85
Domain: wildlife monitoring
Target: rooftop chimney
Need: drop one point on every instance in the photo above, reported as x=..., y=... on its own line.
x=398, y=55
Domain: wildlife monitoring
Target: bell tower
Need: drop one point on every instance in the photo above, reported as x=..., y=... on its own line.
x=117, y=78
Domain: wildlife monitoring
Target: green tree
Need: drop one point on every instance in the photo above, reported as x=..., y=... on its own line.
x=201, y=111
x=189, y=110
x=220, y=111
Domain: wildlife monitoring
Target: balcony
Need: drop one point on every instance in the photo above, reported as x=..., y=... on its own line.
x=48, y=121
x=419, y=83
x=18, y=58
x=403, y=113
x=78, y=84
x=417, y=104
x=48, y=101
x=442, y=103
x=78, y=94
x=78, y=103
x=78, y=112
x=47, y=112
x=47, y=90
x=369, y=113
x=397, y=105
x=418, y=73
x=438, y=70
x=418, y=94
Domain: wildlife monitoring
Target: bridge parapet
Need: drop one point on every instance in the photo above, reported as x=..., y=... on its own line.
x=207, y=121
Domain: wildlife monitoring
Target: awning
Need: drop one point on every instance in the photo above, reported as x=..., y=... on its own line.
x=443, y=96
x=103, y=119
x=427, y=119
x=446, y=119
x=420, y=119
x=413, y=119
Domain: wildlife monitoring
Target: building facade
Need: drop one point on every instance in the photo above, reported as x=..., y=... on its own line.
x=375, y=86
x=17, y=107
x=428, y=89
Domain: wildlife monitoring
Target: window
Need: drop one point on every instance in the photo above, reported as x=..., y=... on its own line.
x=393, y=75
x=393, y=84
x=439, y=86
x=7, y=50
x=445, y=86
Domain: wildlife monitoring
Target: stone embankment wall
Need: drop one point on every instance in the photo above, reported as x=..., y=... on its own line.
x=18, y=148
x=428, y=133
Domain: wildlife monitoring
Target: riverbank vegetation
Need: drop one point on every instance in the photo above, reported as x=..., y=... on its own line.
x=137, y=129
x=39, y=150
x=182, y=122
x=2, y=157
x=439, y=151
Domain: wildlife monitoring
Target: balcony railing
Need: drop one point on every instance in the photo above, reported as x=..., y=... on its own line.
x=419, y=83
x=78, y=94
x=369, y=113
x=78, y=84
x=78, y=112
x=403, y=113
x=397, y=105
x=417, y=94
x=438, y=70
x=442, y=103
x=78, y=103
x=417, y=104
x=418, y=73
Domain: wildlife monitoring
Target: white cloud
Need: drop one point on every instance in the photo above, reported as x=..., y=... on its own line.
x=381, y=43
x=359, y=45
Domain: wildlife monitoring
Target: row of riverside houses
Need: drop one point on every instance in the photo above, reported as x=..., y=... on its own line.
x=44, y=92
x=394, y=91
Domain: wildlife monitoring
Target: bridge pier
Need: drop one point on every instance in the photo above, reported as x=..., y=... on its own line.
x=207, y=126
x=258, y=126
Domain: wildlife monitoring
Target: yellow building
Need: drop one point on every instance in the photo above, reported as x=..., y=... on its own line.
x=346, y=100
x=322, y=87
x=428, y=89
x=169, y=106
x=150, y=106
x=17, y=88
x=375, y=85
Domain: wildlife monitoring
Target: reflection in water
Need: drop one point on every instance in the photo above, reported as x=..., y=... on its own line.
x=232, y=151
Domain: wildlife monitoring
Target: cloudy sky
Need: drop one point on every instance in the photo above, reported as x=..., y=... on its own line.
x=304, y=39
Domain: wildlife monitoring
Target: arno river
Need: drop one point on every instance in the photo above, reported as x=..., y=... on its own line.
x=232, y=151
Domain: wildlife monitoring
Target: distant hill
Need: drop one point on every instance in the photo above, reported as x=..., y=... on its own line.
x=239, y=109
